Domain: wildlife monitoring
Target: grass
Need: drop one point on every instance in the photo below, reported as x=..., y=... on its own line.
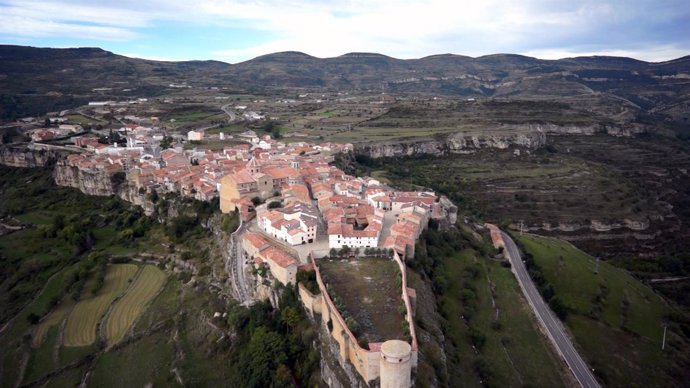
x=71, y=354
x=369, y=291
x=68, y=378
x=147, y=361
x=54, y=318
x=539, y=188
x=615, y=319
x=24, y=252
x=128, y=308
x=80, y=329
x=81, y=120
x=12, y=338
x=41, y=361
x=513, y=352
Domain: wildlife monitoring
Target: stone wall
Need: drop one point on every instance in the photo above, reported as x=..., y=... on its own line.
x=366, y=362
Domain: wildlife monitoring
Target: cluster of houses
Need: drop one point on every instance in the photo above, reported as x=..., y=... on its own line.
x=312, y=197
x=62, y=130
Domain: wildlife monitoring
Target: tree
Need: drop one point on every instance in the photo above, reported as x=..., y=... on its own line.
x=33, y=318
x=266, y=352
x=290, y=316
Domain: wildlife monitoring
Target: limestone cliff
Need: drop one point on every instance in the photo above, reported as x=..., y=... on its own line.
x=92, y=182
x=22, y=156
x=452, y=144
x=526, y=136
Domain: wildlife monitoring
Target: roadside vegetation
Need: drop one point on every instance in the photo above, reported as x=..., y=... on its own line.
x=491, y=336
x=616, y=321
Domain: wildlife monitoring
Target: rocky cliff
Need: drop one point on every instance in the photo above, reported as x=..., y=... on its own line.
x=453, y=144
x=92, y=182
x=525, y=136
x=22, y=156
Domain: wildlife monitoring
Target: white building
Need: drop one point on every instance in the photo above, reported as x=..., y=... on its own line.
x=297, y=224
x=195, y=135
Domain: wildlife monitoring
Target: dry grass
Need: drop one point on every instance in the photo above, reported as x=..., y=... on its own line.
x=80, y=329
x=54, y=318
x=127, y=309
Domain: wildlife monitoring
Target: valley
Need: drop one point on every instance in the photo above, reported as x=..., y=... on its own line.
x=210, y=224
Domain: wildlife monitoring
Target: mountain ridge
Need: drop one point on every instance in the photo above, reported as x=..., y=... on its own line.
x=35, y=80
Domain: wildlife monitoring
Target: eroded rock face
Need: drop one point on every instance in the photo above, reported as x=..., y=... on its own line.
x=453, y=144
x=526, y=136
x=25, y=157
x=96, y=182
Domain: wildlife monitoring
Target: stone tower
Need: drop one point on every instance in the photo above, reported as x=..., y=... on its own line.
x=253, y=166
x=396, y=364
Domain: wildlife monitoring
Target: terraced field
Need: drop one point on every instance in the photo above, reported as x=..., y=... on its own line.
x=54, y=318
x=127, y=309
x=80, y=329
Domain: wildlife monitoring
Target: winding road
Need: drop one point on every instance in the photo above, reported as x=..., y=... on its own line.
x=554, y=328
x=226, y=108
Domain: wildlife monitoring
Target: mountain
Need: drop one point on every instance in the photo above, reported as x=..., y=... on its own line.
x=38, y=79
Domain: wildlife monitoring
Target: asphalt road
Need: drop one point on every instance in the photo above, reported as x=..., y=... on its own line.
x=549, y=321
x=236, y=266
x=226, y=108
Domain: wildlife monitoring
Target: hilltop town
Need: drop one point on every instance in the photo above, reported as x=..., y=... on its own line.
x=297, y=211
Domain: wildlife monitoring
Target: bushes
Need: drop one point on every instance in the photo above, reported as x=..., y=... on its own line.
x=308, y=279
x=545, y=288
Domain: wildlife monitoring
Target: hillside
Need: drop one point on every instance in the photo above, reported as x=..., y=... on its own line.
x=617, y=322
x=34, y=80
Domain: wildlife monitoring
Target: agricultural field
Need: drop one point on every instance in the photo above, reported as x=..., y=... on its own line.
x=53, y=318
x=569, y=189
x=83, y=120
x=127, y=309
x=616, y=321
x=80, y=328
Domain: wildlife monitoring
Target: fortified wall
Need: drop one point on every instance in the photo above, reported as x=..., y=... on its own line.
x=386, y=365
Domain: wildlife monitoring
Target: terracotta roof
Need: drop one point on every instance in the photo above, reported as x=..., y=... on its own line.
x=278, y=256
x=256, y=240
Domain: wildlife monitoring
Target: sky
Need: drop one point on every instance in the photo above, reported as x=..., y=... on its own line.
x=238, y=30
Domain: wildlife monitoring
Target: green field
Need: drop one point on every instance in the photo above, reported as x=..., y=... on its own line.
x=149, y=360
x=41, y=361
x=615, y=319
x=82, y=120
x=511, y=352
x=128, y=308
x=80, y=329
x=53, y=318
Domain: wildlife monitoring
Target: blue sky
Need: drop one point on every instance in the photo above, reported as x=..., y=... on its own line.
x=234, y=30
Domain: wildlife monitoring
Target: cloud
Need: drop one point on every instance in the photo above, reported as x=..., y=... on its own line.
x=399, y=28
x=649, y=54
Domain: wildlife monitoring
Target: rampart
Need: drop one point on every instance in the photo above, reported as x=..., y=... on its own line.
x=367, y=362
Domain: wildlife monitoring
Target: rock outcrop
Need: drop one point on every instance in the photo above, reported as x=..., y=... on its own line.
x=91, y=182
x=453, y=144
x=25, y=157
x=525, y=136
